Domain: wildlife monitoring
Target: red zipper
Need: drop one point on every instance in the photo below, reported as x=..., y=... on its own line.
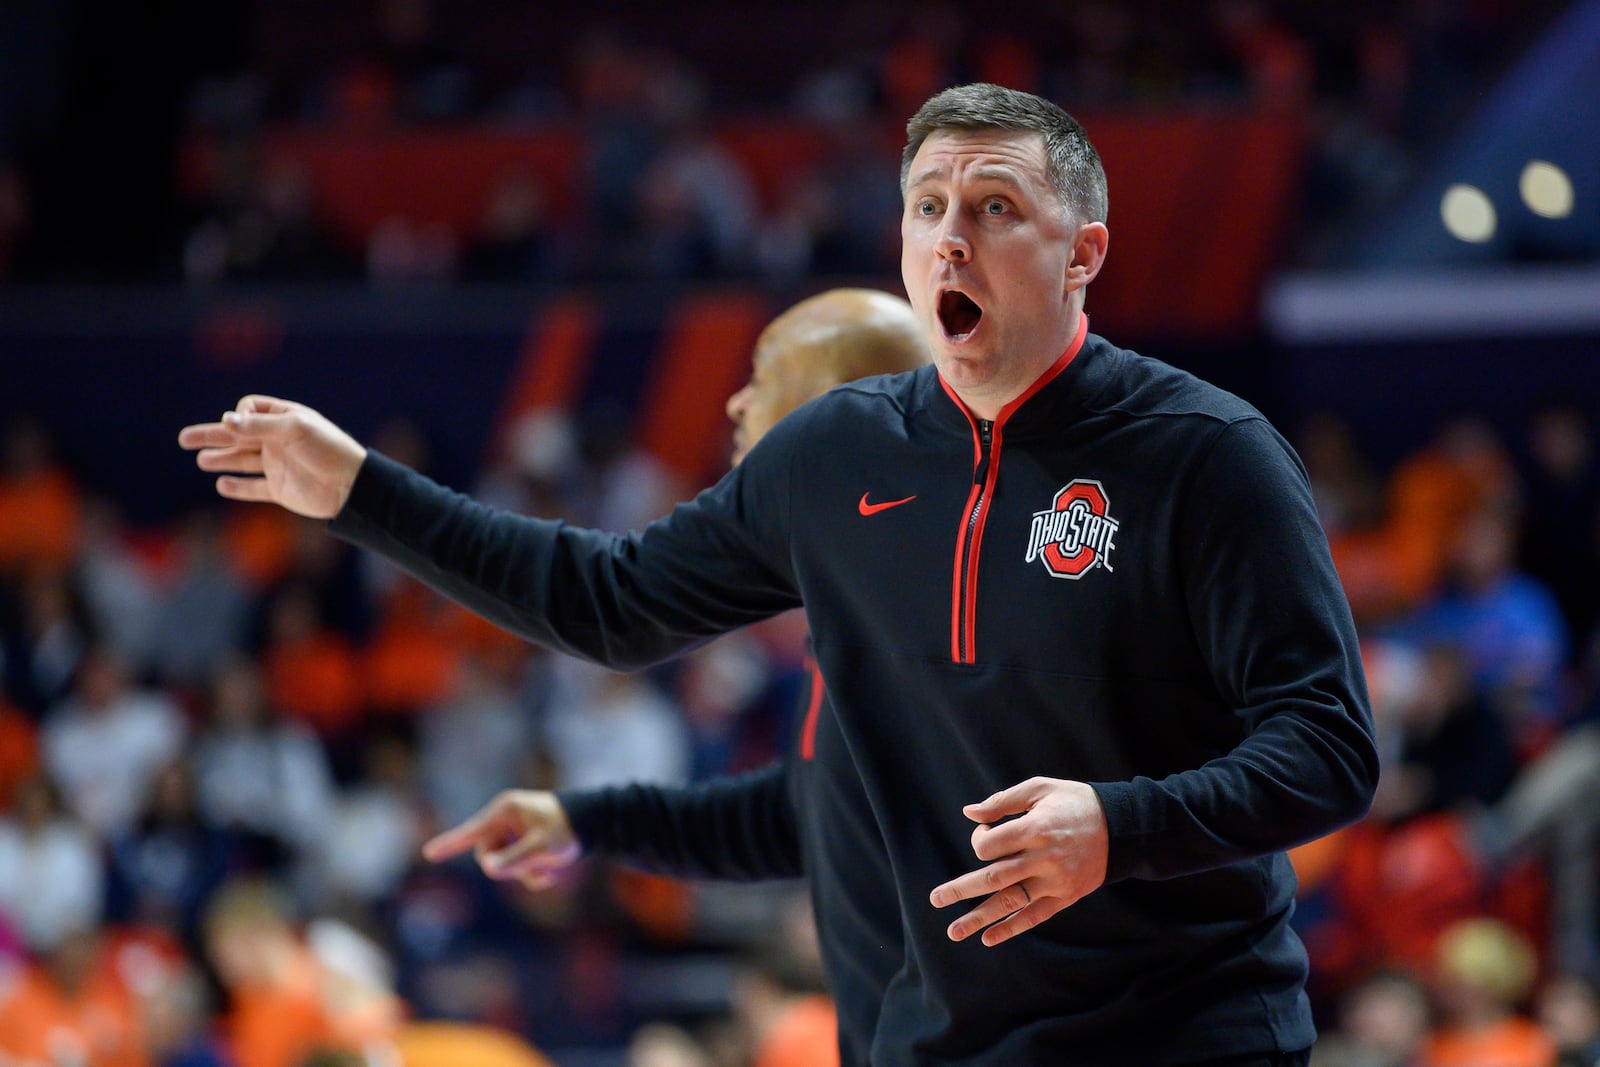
x=986, y=441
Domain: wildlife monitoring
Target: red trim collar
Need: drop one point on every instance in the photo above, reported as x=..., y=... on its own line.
x=1051, y=373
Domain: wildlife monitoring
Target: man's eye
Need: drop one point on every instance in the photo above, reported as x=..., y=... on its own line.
x=925, y=207
x=995, y=207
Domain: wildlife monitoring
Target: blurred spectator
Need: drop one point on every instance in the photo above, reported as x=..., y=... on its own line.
x=1392, y=568
x=1348, y=494
x=106, y=743
x=205, y=608
x=375, y=827
x=1484, y=970
x=474, y=742
x=41, y=845
x=718, y=685
x=780, y=1002
x=537, y=472
x=840, y=217
x=1569, y=1010
x=68, y=1010
x=276, y=1013
x=311, y=670
x=697, y=206
x=665, y=1045
x=605, y=728
x=1505, y=624
x=621, y=486
x=402, y=251
x=259, y=776
x=1383, y=1022
x=19, y=752
x=116, y=586
x=407, y=73
x=1454, y=752
x=515, y=243
x=457, y=1044
x=176, y=1013
x=39, y=501
x=46, y=642
x=611, y=76
x=170, y=862
x=1561, y=528
x=409, y=662
x=262, y=225
x=1278, y=67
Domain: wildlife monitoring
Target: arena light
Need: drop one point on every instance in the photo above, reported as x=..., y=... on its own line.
x=1468, y=213
x=1546, y=189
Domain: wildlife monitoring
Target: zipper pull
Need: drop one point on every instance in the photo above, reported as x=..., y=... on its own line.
x=985, y=436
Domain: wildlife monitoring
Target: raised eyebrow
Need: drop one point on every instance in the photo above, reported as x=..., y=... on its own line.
x=1003, y=175
x=922, y=178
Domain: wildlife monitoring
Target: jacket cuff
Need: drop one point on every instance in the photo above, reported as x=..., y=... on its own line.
x=1124, y=848
x=374, y=486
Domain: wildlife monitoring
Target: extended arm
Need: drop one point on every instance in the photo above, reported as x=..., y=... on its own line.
x=739, y=828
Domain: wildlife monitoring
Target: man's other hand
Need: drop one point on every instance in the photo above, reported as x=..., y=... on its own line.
x=1050, y=856
x=521, y=834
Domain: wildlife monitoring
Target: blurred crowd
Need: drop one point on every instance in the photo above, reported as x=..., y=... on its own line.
x=232, y=733
x=1376, y=84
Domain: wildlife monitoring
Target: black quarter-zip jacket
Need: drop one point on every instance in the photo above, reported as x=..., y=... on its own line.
x=1126, y=584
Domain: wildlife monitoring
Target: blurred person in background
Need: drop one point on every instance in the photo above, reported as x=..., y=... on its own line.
x=1568, y=1007
x=1560, y=543
x=106, y=743
x=1384, y=1021
x=204, y=611
x=261, y=778
x=1506, y=626
x=69, y=1008
x=52, y=883
x=1483, y=974
x=39, y=501
x=170, y=861
x=45, y=640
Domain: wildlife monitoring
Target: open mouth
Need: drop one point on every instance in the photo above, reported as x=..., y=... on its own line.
x=958, y=314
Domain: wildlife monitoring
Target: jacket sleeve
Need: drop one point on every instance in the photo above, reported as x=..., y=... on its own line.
x=739, y=828
x=627, y=601
x=1272, y=622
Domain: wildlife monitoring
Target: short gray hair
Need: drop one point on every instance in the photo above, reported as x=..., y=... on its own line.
x=1074, y=165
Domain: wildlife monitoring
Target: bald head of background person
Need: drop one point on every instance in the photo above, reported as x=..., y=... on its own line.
x=823, y=341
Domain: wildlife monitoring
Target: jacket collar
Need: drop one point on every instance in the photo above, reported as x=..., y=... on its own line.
x=1070, y=379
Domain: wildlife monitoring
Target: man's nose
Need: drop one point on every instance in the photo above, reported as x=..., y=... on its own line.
x=951, y=243
x=736, y=403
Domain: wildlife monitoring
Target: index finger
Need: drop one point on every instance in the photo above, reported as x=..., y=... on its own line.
x=458, y=839
x=258, y=404
x=1004, y=839
x=206, y=435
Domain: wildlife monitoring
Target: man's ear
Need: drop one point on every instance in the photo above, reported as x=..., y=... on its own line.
x=1088, y=254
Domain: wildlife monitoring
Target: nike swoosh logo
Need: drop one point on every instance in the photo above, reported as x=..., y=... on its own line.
x=872, y=509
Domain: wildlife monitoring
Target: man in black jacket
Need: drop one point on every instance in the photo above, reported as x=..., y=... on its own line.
x=1091, y=664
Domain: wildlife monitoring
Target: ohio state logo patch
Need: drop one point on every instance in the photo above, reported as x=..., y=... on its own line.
x=1076, y=533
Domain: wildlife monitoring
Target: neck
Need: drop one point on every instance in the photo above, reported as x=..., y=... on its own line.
x=987, y=403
